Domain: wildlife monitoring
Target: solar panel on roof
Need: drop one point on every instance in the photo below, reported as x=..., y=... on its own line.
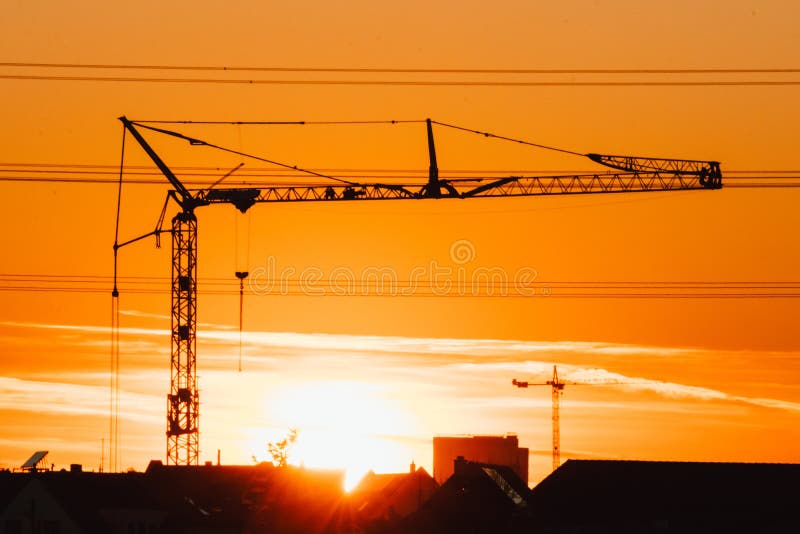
x=33, y=461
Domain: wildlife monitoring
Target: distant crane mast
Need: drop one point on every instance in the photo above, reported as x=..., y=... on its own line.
x=638, y=175
x=557, y=391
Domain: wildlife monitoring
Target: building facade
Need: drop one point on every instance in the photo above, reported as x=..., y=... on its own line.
x=497, y=450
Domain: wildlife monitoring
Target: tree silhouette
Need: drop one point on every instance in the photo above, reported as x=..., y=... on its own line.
x=279, y=450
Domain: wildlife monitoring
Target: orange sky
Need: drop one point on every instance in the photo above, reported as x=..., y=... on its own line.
x=53, y=381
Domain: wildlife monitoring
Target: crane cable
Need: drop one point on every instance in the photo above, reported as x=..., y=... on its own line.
x=114, y=390
x=281, y=123
x=391, y=121
x=199, y=142
x=195, y=141
x=504, y=138
x=241, y=275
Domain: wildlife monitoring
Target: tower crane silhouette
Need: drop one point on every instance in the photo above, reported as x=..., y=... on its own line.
x=557, y=391
x=557, y=386
x=638, y=174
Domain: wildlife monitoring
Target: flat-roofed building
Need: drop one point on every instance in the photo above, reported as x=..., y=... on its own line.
x=497, y=450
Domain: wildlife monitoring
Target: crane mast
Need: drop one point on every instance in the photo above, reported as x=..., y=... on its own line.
x=557, y=391
x=183, y=401
x=183, y=414
x=557, y=388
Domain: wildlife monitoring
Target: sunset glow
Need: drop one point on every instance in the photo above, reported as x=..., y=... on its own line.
x=371, y=327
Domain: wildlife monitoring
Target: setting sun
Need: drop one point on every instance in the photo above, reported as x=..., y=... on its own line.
x=342, y=424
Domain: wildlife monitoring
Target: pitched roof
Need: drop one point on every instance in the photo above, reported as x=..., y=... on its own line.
x=478, y=497
x=10, y=486
x=83, y=495
x=391, y=495
x=191, y=499
x=373, y=482
x=261, y=496
x=592, y=492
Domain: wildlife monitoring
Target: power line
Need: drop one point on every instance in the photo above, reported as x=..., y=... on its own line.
x=115, y=167
x=361, y=287
x=95, y=278
x=788, y=182
x=400, y=293
x=406, y=83
x=412, y=70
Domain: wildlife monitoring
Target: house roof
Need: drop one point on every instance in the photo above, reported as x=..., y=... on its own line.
x=82, y=495
x=192, y=498
x=262, y=496
x=391, y=495
x=606, y=491
x=10, y=486
x=478, y=497
x=373, y=482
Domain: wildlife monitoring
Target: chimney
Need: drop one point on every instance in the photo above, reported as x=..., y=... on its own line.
x=412, y=467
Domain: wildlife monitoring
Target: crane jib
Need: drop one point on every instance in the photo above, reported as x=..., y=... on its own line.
x=708, y=172
x=637, y=174
x=244, y=198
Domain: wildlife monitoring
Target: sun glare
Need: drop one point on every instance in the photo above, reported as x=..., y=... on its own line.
x=343, y=425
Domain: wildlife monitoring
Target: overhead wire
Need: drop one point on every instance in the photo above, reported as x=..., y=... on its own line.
x=416, y=70
x=209, y=171
x=214, y=169
x=405, y=83
x=789, y=181
x=140, y=279
x=334, y=293
x=397, y=76
x=366, y=287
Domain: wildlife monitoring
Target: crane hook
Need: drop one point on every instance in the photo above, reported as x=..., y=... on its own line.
x=241, y=275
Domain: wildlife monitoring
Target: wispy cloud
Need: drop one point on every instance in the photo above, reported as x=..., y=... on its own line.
x=88, y=329
x=496, y=358
x=673, y=390
x=166, y=318
x=63, y=398
x=389, y=344
x=478, y=347
x=145, y=315
x=669, y=389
